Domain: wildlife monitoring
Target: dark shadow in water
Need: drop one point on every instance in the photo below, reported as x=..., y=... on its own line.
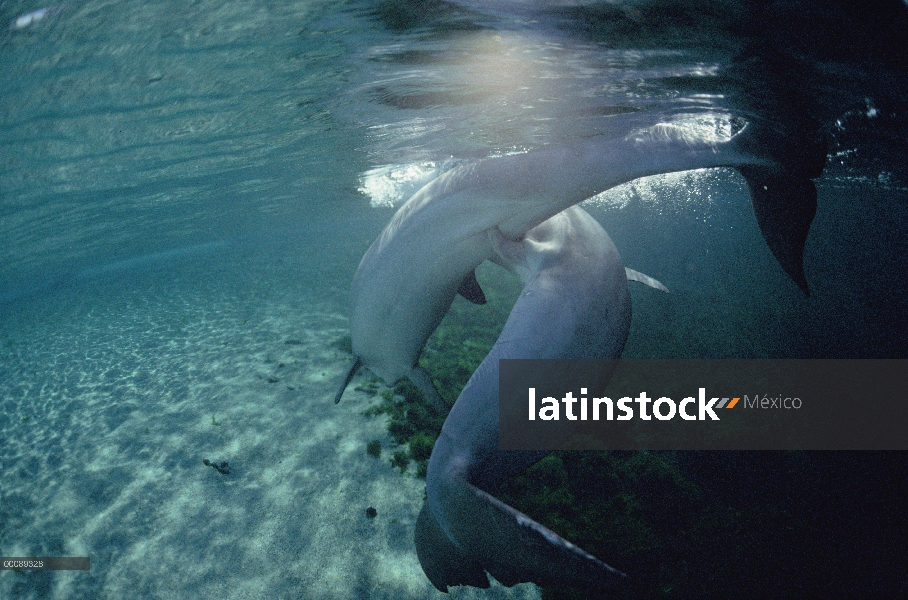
x=803, y=65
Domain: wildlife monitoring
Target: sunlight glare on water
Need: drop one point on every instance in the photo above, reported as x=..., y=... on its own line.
x=394, y=184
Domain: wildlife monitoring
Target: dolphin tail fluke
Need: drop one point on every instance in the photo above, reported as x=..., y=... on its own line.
x=633, y=275
x=350, y=373
x=508, y=544
x=784, y=197
x=784, y=205
x=799, y=150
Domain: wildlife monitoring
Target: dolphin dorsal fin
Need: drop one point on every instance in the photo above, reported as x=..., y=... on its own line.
x=633, y=275
x=469, y=289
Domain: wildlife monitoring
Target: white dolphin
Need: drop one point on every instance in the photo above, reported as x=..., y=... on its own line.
x=575, y=304
x=408, y=278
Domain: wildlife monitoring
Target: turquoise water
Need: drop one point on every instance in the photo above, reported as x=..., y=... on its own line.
x=187, y=188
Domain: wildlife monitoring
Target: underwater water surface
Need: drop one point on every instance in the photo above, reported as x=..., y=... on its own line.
x=186, y=189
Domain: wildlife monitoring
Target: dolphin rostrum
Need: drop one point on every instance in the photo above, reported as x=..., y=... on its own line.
x=408, y=278
x=575, y=304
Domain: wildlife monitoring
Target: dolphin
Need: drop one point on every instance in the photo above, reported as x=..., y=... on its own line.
x=575, y=304
x=429, y=251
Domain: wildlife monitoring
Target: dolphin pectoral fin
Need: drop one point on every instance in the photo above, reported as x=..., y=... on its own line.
x=423, y=382
x=443, y=562
x=633, y=275
x=514, y=548
x=469, y=289
x=350, y=373
x=784, y=205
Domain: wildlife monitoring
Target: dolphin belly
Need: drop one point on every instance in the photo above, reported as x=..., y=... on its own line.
x=575, y=304
x=409, y=276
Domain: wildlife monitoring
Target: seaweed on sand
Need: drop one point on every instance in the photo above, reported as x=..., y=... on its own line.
x=646, y=513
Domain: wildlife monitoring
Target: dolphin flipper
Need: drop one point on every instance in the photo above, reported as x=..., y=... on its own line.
x=633, y=275
x=469, y=289
x=784, y=206
x=350, y=373
x=443, y=562
x=418, y=376
x=508, y=544
x=423, y=382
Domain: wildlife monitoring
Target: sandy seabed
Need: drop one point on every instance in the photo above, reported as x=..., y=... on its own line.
x=114, y=390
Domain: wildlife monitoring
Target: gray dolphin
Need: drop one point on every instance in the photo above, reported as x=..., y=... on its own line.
x=408, y=278
x=575, y=304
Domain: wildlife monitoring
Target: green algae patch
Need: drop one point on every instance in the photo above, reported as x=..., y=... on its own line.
x=373, y=448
